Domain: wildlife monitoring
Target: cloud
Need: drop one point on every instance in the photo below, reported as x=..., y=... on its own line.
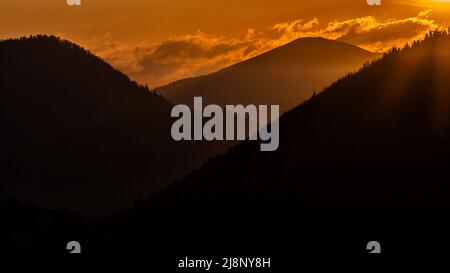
x=199, y=53
x=379, y=36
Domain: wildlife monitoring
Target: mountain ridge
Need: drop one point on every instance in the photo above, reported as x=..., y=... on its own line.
x=286, y=75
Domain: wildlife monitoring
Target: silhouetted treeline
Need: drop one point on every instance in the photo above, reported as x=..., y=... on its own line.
x=366, y=159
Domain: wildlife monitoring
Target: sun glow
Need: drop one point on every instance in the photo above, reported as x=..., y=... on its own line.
x=440, y=2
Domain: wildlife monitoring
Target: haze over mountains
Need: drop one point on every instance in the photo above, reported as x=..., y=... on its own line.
x=366, y=159
x=286, y=76
x=78, y=134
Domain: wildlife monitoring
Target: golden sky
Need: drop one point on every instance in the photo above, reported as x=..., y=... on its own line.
x=159, y=41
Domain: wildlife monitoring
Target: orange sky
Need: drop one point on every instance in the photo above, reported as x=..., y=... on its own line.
x=158, y=41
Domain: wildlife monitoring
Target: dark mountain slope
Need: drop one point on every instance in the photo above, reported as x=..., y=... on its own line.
x=287, y=75
x=75, y=133
x=366, y=159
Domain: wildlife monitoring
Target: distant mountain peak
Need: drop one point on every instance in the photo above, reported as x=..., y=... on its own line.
x=286, y=75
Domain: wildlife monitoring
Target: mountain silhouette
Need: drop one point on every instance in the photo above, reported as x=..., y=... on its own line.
x=286, y=75
x=366, y=159
x=78, y=134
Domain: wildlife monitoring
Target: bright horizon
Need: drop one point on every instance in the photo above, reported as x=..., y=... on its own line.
x=159, y=41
